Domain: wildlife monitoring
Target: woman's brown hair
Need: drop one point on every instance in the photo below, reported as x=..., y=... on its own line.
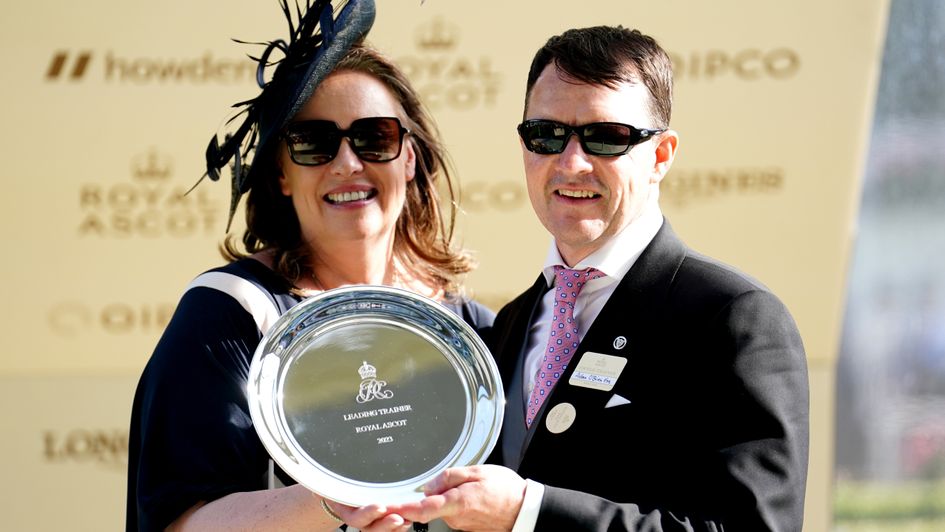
x=422, y=242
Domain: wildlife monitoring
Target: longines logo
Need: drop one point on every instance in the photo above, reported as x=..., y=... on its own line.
x=748, y=64
x=444, y=77
x=104, y=447
x=69, y=319
x=504, y=196
x=683, y=186
x=147, y=205
x=113, y=68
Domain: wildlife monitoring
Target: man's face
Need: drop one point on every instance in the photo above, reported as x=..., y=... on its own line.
x=583, y=200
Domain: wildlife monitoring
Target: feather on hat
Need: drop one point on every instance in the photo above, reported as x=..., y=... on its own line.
x=317, y=41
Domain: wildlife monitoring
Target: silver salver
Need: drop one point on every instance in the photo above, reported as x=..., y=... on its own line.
x=364, y=393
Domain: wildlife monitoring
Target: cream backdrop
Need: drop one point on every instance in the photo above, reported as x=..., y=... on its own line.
x=108, y=106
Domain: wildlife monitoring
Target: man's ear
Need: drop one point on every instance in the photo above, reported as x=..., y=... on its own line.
x=665, y=154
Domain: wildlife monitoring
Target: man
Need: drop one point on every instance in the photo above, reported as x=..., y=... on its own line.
x=673, y=394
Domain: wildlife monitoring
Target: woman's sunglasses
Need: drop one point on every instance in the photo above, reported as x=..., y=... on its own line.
x=607, y=139
x=316, y=142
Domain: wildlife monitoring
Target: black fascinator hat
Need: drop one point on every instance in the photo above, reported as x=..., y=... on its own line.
x=318, y=39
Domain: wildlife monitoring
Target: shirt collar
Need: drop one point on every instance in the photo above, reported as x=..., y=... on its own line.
x=617, y=255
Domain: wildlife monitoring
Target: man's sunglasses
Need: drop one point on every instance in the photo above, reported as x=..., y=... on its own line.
x=316, y=142
x=606, y=139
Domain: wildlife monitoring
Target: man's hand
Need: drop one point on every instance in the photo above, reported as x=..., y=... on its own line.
x=476, y=498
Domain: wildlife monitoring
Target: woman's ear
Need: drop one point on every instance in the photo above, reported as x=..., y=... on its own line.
x=410, y=159
x=283, y=180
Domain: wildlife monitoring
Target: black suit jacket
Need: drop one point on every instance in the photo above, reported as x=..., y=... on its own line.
x=715, y=436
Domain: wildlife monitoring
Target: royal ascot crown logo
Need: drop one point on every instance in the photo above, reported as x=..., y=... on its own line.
x=437, y=35
x=101, y=447
x=444, y=76
x=148, y=204
x=371, y=388
x=151, y=167
x=77, y=66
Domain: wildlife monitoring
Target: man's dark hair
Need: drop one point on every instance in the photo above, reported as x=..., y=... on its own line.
x=608, y=56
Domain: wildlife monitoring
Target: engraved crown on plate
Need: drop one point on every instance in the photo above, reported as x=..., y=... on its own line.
x=367, y=371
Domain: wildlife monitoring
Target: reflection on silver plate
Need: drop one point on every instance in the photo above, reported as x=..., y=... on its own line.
x=364, y=393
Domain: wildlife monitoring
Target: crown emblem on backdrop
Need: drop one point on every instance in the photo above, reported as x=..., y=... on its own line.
x=151, y=166
x=367, y=371
x=437, y=35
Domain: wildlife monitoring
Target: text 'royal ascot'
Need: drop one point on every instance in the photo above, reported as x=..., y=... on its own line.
x=379, y=412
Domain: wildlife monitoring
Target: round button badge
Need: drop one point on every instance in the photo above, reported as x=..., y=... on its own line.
x=560, y=418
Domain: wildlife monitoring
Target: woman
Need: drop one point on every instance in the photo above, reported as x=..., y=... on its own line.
x=342, y=192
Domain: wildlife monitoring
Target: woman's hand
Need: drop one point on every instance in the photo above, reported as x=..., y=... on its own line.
x=371, y=518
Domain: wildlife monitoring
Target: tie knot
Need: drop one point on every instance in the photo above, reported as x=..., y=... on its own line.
x=570, y=282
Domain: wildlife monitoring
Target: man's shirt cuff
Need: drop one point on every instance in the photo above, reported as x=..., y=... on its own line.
x=528, y=514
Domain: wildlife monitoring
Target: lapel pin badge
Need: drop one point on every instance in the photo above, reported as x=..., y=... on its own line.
x=620, y=342
x=560, y=418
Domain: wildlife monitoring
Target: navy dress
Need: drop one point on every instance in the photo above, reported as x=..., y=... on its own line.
x=192, y=438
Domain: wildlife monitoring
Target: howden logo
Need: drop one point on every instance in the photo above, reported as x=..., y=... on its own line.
x=115, y=68
x=59, y=64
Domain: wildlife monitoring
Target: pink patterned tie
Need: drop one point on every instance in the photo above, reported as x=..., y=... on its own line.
x=564, y=338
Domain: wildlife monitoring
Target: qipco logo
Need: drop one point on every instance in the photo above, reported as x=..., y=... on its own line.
x=748, y=64
x=71, y=319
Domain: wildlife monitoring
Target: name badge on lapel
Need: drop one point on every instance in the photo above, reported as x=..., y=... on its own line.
x=597, y=371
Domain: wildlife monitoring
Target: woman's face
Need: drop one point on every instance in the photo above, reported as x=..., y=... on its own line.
x=348, y=199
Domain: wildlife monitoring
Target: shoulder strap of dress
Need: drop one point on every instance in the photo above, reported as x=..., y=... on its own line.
x=250, y=296
x=263, y=310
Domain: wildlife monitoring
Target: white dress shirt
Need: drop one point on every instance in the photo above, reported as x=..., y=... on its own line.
x=614, y=259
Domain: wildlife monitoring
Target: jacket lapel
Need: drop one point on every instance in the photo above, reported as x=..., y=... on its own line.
x=624, y=320
x=510, y=339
